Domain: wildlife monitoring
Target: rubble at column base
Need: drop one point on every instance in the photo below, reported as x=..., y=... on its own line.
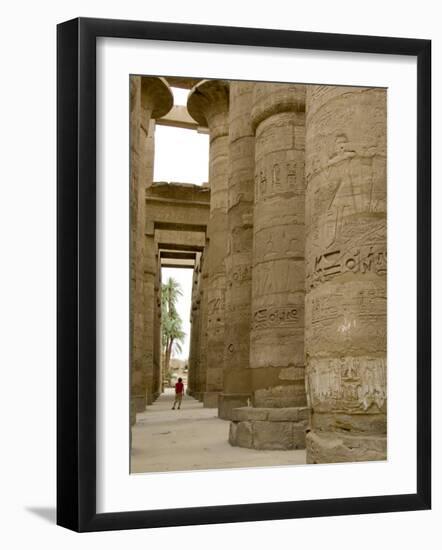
x=328, y=447
x=269, y=428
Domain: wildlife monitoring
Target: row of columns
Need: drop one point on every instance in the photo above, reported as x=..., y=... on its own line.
x=150, y=98
x=289, y=297
x=295, y=282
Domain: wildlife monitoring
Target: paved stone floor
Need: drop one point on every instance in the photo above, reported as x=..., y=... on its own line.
x=192, y=438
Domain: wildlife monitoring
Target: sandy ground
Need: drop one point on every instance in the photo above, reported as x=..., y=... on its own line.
x=192, y=438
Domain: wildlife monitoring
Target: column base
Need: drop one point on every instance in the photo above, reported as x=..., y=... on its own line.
x=332, y=447
x=149, y=399
x=133, y=412
x=210, y=399
x=139, y=403
x=229, y=401
x=269, y=428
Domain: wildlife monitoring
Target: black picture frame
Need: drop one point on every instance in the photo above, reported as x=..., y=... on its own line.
x=76, y=274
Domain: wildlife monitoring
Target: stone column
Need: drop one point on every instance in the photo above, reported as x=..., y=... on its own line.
x=237, y=380
x=193, y=374
x=278, y=419
x=346, y=273
x=208, y=104
x=150, y=98
x=157, y=382
x=201, y=381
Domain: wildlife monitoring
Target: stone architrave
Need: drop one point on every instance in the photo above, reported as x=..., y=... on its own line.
x=237, y=383
x=278, y=292
x=150, y=98
x=208, y=104
x=346, y=266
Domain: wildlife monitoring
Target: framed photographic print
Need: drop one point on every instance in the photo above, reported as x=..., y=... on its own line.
x=243, y=274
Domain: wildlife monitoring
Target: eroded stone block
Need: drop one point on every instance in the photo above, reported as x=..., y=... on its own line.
x=244, y=435
x=272, y=435
x=323, y=448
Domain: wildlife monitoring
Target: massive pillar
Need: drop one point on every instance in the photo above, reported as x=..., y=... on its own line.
x=346, y=273
x=202, y=345
x=237, y=383
x=150, y=98
x=208, y=104
x=278, y=418
x=193, y=370
x=157, y=372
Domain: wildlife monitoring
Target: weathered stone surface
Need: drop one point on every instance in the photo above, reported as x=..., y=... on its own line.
x=150, y=98
x=233, y=428
x=227, y=403
x=288, y=247
x=208, y=104
x=299, y=434
x=271, y=428
x=210, y=400
x=277, y=330
x=238, y=263
x=244, y=436
x=346, y=265
x=329, y=447
x=280, y=396
x=272, y=435
x=349, y=423
x=249, y=413
x=292, y=414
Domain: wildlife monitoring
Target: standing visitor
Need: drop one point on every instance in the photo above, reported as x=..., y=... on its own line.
x=179, y=392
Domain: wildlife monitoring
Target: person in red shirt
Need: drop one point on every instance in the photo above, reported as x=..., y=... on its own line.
x=179, y=392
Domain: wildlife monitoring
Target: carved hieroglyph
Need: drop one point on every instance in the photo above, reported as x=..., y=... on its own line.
x=346, y=265
x=239, y=249
x=208, y=104
x=150, y=98
x=277, y=323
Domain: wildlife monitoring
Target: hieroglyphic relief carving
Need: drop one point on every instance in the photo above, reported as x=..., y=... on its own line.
x=348, y=384
x=280, y=241
x=264, y=318
x=364, y=259
x=279, y=177
x=277, y=276
x=346, y=266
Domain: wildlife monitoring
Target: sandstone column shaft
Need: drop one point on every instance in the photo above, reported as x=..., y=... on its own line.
x=237, y=383
x=150, y=98
x=157, y=383
x=346, y=273
x=279, y=416
x=193, y=371
x=277, y=335
x=208, y=104
x=201, y=382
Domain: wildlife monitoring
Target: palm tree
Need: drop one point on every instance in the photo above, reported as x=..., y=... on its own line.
x=172, y=334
